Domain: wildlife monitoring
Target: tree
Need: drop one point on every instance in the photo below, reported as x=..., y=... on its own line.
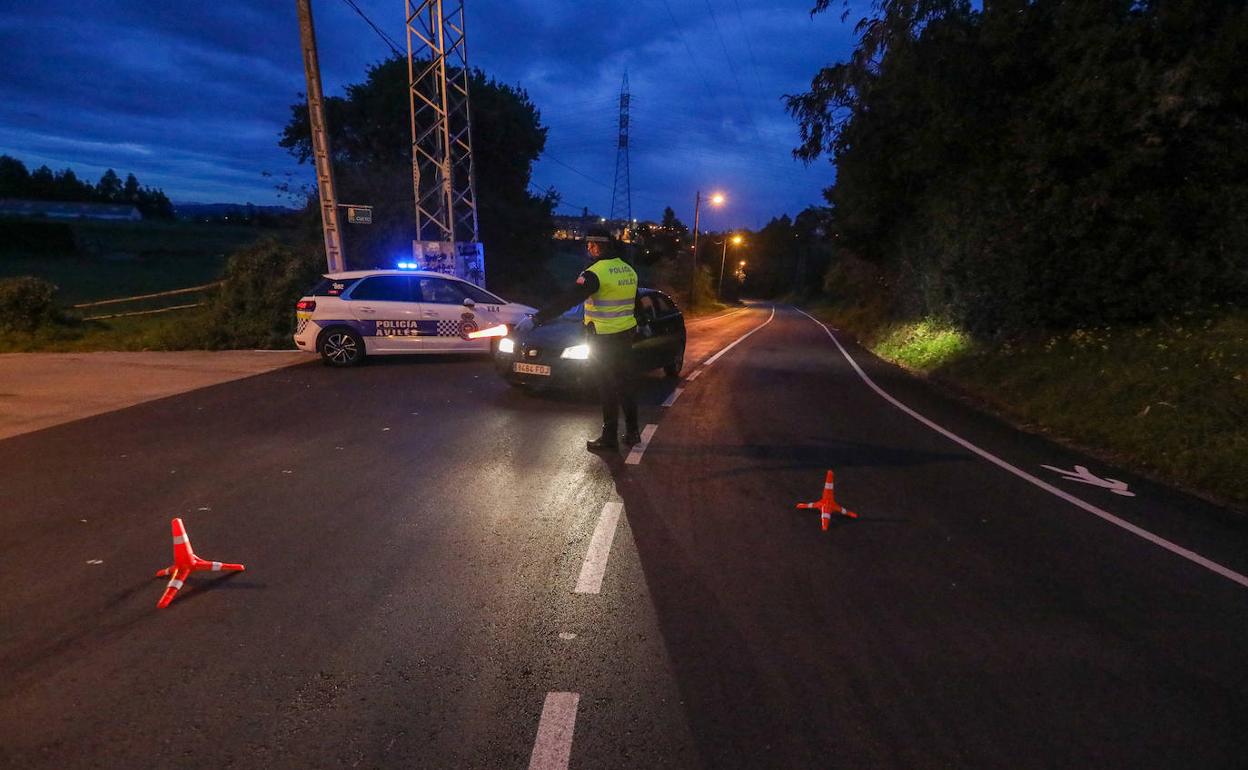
x=14, y=178
x=130, y=192
x=1040, y=163
x=370, y=135
x=109, y=187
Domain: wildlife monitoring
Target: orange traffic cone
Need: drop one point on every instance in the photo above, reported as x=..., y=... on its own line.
x=185, y=562
x=827, y=505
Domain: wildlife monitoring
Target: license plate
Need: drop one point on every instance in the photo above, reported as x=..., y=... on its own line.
x=531, y=369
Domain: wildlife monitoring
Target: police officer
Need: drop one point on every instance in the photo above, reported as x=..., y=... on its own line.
x=608, y=287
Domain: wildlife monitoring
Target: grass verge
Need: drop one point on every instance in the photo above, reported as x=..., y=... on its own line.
x=1168, y=398
x=174, y=330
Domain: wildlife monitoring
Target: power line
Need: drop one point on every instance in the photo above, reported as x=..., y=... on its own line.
x=384, y=37
x=749, y=46
x=732, y=68
x=576, y=170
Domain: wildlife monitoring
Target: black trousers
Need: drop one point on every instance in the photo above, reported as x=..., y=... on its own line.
x=617, y=380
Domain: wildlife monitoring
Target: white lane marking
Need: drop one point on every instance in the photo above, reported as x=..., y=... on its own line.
x=1085, y=476
x=95, y=561
x=672, y=398
x=595, y=564
x=1174, y=548
x=716, y=317
x=554, y=732
x=741, y=339
x=567, y=636
x=694, y=375
x=634, y=455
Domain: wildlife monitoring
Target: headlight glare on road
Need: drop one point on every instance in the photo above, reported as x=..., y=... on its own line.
x=506, y=345
x=579, y=352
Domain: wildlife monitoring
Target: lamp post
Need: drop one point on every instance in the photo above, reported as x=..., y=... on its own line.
x=716, y=199
x=736, y=241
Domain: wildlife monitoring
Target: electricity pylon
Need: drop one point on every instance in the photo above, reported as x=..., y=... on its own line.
x=621, y=191
x=442, y=173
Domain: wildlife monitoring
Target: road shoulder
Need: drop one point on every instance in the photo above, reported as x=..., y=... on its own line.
x=40, y=390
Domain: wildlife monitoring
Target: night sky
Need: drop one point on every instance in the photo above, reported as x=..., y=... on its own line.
x=191, y=97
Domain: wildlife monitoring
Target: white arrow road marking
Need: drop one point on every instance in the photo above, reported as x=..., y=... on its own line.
x=1085, y=476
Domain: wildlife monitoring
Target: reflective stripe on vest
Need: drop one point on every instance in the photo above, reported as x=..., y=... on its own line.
x=610, y=309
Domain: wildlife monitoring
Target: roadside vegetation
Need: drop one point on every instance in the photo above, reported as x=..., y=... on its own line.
x=1044, y=206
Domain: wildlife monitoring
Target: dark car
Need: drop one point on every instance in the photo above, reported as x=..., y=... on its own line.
x=560, y=353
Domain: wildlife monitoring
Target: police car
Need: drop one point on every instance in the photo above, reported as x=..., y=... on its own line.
x=347, y=316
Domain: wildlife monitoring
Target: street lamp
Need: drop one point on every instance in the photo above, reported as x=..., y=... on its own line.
x=716, y=199
x=736, y=241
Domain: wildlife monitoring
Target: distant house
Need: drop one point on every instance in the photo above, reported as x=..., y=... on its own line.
x=62, y=210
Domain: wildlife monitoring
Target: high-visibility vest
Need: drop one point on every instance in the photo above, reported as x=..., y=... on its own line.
x=610, y=309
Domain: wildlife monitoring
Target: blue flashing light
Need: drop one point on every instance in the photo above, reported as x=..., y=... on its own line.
x=407, y=265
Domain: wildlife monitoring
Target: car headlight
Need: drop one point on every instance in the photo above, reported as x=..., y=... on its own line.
x=579, y=352
x=506, y=345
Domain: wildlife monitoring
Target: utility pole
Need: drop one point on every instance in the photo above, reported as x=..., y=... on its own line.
x=621, y=191
x=334, y=257
x=443, y=181
x=716, y=199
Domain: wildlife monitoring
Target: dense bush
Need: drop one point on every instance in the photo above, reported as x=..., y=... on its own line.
x=1048, y=163
x=26, y=303
x=255, y=306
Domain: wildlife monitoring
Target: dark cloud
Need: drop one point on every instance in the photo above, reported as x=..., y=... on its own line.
x=192, y=96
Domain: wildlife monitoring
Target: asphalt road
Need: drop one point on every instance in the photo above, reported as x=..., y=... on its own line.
x=433, y=580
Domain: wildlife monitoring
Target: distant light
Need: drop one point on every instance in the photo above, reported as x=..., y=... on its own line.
x=602, y=219
x=736, y=240
x=717, y=199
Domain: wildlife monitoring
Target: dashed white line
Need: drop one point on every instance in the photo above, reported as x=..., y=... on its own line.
x=694, y=375
x=595, y=564
x=634, y=455
x=1174, y=548
x=554, y=732
x=672, y=398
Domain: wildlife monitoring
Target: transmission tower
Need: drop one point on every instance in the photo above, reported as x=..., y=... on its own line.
x=442, y=172
x=621, y=191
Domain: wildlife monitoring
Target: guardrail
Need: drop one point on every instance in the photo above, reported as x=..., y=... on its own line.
x=140, y=297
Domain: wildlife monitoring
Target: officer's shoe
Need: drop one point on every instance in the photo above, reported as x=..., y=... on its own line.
x=603, y=443
x=632, y=437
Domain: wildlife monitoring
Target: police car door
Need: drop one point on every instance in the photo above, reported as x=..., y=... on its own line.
x=388, y=319
x=443, y=300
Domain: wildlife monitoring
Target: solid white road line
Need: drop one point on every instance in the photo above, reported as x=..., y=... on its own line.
x=741, y=339
x=634, y=456
x=595, y=564
x=1174, y=548
x=672, y=398
x=703, y=319
x=554, y=732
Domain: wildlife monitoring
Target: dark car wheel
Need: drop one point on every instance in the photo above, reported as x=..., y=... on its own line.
x=678, y=363
x=341, y=347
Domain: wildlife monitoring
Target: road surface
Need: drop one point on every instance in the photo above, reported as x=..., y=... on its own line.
x=438, y=575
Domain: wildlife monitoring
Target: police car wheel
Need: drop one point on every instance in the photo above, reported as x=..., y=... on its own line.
x=678, y=363
x=341, y=347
